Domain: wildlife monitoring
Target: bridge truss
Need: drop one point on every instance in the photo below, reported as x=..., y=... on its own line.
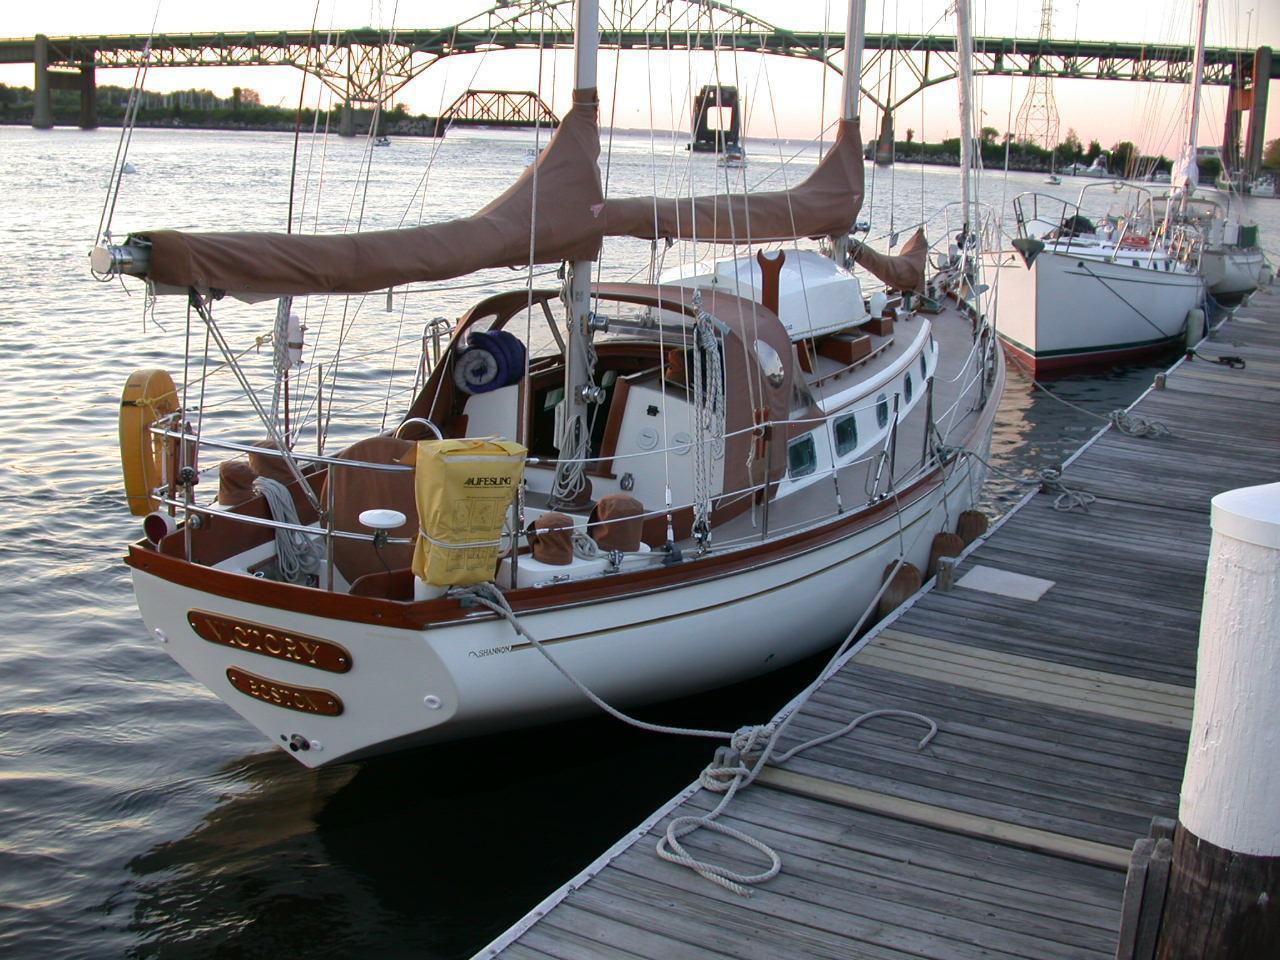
x=370, y=65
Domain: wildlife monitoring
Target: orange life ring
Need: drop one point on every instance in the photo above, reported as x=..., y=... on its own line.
x=148, y=396
x=1138, y=242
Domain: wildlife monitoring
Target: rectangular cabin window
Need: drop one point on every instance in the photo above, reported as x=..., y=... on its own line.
x=802, y=457
x=846, y=434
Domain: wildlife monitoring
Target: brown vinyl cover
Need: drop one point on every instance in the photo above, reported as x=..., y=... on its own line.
x=617, y=522
x=902, y=272
x=357, y=489
x=235, y=483
x=551, y=539
x=569, y=226
x=824, y=204
x=269, y=465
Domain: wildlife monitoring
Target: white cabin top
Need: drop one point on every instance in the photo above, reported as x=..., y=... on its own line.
x=815, y=295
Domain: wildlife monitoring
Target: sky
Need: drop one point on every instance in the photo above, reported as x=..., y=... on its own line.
x=785, y=98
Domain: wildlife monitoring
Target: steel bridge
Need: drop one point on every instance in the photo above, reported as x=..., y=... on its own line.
x=499, y=108
x=368, y=66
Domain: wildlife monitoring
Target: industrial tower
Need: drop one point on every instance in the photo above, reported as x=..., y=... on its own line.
x=1038, y=116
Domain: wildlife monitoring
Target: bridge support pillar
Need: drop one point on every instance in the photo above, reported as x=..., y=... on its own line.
x=1257, y=114
x=88, y=96
x=347, y=121
x=1237, y=99
x=884, y=144
x=42, y=114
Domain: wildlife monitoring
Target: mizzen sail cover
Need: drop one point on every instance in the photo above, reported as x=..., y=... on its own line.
x=564, y=218
x=825, y=204
x=903, y=272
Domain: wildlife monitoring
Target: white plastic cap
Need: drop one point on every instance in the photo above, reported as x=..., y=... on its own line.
x=379, y=519
x=1250, y=514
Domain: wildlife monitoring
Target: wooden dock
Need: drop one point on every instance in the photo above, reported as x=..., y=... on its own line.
x=1063, y=727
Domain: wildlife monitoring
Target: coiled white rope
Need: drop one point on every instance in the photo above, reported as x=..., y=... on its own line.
x=1134, y=425
x=708, y=415
x=297, y=554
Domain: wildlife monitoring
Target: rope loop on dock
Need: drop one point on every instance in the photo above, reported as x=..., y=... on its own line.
x=748, y=749
x=1135, y=425
x=1067, y=498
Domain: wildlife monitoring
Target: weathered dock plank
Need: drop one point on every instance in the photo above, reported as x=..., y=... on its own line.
x=1063, y=725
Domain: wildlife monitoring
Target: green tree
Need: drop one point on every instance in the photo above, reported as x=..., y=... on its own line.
x=988, y=135
x=1069, y=149
x=911, y=135
x=1094, y=151
x=1271, y=155
x=1124, y=157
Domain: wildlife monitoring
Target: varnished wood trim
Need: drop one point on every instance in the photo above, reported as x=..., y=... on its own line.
x=288, y=696
x=270, y=641
x=613, y=427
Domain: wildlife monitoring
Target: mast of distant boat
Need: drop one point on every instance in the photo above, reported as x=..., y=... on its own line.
x=965, y=38
x=573, y=433
x=854, y=39
x=1189, y=174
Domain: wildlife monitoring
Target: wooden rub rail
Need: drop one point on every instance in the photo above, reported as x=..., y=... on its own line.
x=1059, y=667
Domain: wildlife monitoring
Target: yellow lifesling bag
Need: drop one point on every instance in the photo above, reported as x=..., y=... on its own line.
x=463, y=490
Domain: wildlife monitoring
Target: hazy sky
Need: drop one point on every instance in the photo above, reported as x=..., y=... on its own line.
x=784, y=97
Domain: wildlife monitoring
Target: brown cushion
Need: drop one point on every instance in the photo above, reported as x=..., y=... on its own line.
x=551, y=538
x=616, y=522
x=356, y=489
x=268, y=465
x=235, y=482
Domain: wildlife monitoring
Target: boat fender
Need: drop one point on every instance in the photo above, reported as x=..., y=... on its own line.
x=148, y=396
x=970, y=525
x=905, y=582
x=944, y=545
x=1195, y=327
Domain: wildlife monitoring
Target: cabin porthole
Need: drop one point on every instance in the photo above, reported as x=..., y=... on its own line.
x=882, y=410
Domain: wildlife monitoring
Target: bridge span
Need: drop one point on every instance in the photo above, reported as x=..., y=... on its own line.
x=368, y=66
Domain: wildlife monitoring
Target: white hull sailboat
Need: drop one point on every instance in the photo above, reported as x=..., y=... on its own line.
x=1084, y=303
x=698, y=486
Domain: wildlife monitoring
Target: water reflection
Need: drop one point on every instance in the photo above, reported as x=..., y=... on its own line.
x=429, y=853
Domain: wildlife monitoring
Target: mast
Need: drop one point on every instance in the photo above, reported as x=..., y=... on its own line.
x=573, y=434
x=964, y=36
x=854, y=41
x=1190, y=172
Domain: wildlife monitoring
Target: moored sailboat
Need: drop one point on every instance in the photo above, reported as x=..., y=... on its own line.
x=701, y=483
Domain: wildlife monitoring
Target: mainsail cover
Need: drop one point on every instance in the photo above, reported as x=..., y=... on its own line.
x=825, y=204
x=903, y=272
x=564, y=219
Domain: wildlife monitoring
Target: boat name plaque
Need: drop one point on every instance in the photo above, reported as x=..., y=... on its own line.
x=270, y=641
x=303, y=699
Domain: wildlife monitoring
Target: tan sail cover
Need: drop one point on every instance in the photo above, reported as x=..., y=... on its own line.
x=569, y=226
x=903, y=272
x=825, y=204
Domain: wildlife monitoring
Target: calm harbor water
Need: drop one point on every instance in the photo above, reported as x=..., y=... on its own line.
x=138, y=815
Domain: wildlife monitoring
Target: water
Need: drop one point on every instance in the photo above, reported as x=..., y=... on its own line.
x=138, y=815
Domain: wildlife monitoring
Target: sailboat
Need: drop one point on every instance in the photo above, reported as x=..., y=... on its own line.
x=701, y=482
x=1069, y=294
